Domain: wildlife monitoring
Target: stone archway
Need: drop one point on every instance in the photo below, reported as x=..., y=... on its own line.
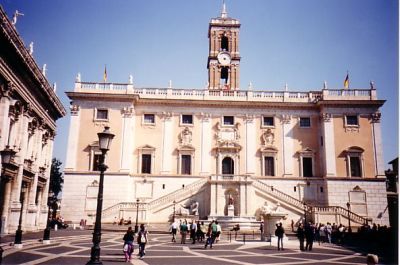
x=228, y=166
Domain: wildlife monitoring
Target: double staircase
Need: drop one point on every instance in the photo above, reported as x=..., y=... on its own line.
x=310, y=209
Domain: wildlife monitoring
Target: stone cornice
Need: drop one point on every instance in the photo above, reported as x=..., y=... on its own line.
x=14, y=39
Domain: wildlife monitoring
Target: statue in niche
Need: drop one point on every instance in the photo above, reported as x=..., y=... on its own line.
x=186, y=137
x=268, y=137
x=231, y=201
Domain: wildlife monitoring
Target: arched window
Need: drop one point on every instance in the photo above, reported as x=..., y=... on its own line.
x=228, y=166
x=224, y=75
x=354, y=157
x=224, y=43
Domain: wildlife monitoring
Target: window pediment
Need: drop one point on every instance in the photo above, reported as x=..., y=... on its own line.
x=147, y=148
x=269, y=150
x=355, y=149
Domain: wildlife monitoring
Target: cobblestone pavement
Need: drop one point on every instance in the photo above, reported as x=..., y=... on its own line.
x=73, y=247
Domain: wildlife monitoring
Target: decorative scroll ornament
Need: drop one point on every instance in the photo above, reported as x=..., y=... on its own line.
x=127, y=112
x=166, y=115
x=376, y=117
x=185, y=137
x=74, y=109
x=326, y=117
x=286, y=118
x=268, y=137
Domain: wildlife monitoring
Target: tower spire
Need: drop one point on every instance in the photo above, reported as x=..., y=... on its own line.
x=224, y=14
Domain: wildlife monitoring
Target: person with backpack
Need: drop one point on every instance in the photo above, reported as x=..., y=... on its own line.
x=142, y=240
x=184, y=229
x=211, y=234
x=128, y=244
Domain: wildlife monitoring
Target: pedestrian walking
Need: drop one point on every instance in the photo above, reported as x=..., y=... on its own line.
x=328, y=232
x=279, y=232
x=262, y=237
x=193, y=228
x=142, y=240
x=211, y=234
x=219, y=231
x=184, y=229
x=128, y=244
x=301, y=235
x=309, y=233
x=174, y=228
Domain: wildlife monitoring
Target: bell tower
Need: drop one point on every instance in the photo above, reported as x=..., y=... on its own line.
x=223, y=57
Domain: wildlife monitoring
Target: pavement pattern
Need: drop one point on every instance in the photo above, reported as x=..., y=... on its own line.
x=74, y=248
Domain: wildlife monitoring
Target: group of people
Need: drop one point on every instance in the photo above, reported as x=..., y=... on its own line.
x=329, y=233
x=197, y=231
x=129, y=237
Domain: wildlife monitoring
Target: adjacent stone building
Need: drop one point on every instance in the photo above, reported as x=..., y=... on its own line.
x=228, y=151
x=29, y=109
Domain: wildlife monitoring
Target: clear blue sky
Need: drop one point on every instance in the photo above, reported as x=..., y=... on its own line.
x=299, y=42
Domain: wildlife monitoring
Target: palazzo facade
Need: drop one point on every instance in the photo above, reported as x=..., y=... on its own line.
x=29, y=109
x=315, y=153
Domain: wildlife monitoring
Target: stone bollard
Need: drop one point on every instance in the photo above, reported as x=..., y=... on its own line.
x=74, y=226
x=55, y=227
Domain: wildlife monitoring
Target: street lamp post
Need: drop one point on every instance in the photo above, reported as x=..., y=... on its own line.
x=305, y=212
x=137, y=216
x=105, y=139
x=348, y=215
x=173, y=214
x=46, y=233
x=6, y=156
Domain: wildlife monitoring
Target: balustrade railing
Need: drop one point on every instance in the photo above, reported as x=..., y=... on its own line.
x=278, y=96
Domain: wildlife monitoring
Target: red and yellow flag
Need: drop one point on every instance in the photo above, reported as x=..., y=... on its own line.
x=346, y=81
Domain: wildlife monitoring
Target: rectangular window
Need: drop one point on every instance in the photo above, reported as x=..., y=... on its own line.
x=351, y=120
x=186, y=164
x=229, y=120
x=102, y=114
x=146, y=163
x=96, y=162
x=187, y=119
x=307, y=167
x=269, y=166
x=148, y=118
x=355, y=166
x=305, y=122
x=268, y=121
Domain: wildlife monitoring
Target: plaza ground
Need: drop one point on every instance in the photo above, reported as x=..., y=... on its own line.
x=73, y=247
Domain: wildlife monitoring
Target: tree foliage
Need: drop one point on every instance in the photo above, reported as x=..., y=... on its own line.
x=56, y=179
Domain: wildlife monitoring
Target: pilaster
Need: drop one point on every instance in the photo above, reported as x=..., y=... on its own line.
x=128, y=136
x=377, y=140
x=4, y=121
x=250, y=144
x=72, y=154
x=287, y=148
x=329, y=145
x=205, y=147
x=166, y=160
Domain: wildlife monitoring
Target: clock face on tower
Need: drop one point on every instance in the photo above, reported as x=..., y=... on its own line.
x=224, y=58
